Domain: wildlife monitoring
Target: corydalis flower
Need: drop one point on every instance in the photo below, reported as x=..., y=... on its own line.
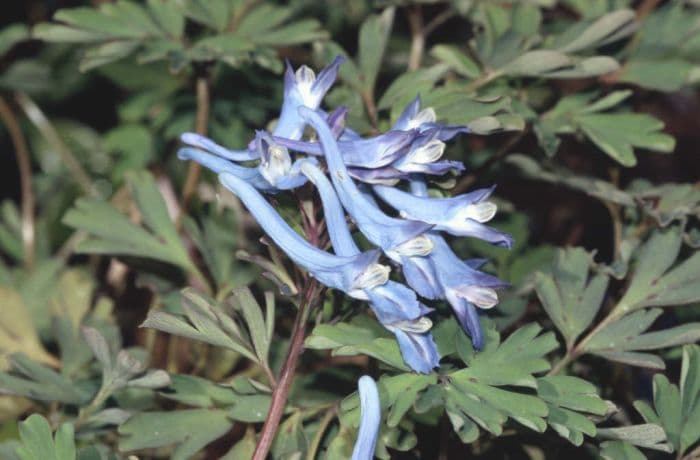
x=462, y=215
x=423, y=120
x=395, y=305
x=370, y=417
x=373, y=152
x=460, y=282
x=351, y=275
x=397, y=237
x=275, y=172
x=303, y=89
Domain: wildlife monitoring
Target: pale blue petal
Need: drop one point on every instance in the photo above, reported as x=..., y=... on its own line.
x=382, y=230
x=370, y=417
x=418, y=350
x=204, y=143
x=331, y=270
x=338, y=230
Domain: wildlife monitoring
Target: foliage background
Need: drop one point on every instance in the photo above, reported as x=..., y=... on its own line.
x=586, y=114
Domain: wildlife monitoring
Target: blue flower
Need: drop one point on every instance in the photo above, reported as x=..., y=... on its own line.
x=275, y=172
x=460, y=282
x=462, y=215
x=370, y=417
x=397, y=237
x=276, y=165
x=395, y=305
x=303, y=89
x=221, y=165
x=414, y=118
x=373, y=152
x=423, y=156
x=351, y=275
x=204, y=143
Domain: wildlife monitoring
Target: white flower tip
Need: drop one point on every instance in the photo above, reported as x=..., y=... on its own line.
x=426, y=115
x=418, y=246
x=277, y=164
x=305, y=75
x=416, y=326
x=432, y=151
x=481, y=212
x=482, y=297
x=305, y=78
x=375, y=275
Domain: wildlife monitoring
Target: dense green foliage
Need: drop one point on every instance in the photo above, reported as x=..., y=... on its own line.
x=142, y=316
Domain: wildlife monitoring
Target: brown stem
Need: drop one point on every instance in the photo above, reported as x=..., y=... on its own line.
x=279, y=395
x=370, y=108
x=415, y=22
x=25, y=177
x=48, y=131
x=201, y=121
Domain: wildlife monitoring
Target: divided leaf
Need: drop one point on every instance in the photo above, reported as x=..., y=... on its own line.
x=148, y=430
x=677, y=410
x=37, y=442
x=568, y=296
x=112, y=233
x=569, y=401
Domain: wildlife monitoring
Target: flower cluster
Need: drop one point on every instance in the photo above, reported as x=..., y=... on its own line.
x=357, y=171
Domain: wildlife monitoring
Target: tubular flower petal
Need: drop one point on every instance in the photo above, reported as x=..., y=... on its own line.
x=413, y=117
x=396, y=306
x=374, y=152
x=333, y=271
x=382, y=230
x=220, y=165
x=461, y=215
x=206, y=144
x=370, y=416
x=461, y=284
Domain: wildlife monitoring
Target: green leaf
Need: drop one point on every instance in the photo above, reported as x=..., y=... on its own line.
x=112, y=233
x=291, y=440
x=617, y=134
x=100, y=55
x=619, y=450
x=170, y=19
x=12, y=34
x=397, y=393
x=649, y=436
x=252, y=314
x=457, y=60
x=509, y=363
x=665, y=74
x=199, y=392
x=486, y=394
x=610, y=26
x=569, y=400
x=654, y=282
x=374, y=34
x=295, y=33
x=346, y=339
x=37, y=443
x=211, y=13
x=205, y=321
x=191, y=430
x=405, y=87
x=17, y=330
x=568, y=296
x=677, y=410
x=251, y=408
